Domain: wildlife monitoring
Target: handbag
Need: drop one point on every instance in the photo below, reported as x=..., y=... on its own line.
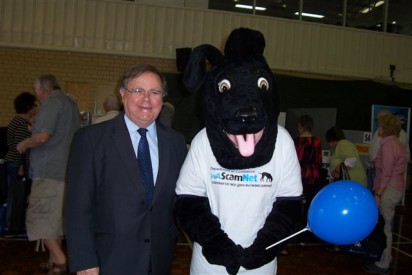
x=344, y=174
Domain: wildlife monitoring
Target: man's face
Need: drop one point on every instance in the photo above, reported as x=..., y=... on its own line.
x=39, y=91
x=143, y=108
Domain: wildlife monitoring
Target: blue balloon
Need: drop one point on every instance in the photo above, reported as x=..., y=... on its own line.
x=343, y=213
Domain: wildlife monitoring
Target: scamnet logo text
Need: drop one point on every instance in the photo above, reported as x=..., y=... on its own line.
x=234, y=177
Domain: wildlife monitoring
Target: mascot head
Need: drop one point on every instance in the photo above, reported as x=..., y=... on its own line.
x=240, y=99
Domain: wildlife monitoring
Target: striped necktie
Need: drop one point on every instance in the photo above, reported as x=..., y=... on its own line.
x=145, y=165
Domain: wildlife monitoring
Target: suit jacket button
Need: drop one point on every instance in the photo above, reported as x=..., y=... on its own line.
x=146, y=240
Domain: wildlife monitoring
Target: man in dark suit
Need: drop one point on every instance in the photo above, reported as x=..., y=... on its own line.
x=112, y=226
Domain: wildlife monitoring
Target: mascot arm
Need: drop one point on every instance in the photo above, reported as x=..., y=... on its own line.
x=281, y=222
x=196, y=218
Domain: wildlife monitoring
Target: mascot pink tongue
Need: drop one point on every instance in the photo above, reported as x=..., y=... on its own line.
x=245, y=143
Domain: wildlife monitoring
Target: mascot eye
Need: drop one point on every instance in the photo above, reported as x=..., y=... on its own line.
x=224, y=85
x=263, y=84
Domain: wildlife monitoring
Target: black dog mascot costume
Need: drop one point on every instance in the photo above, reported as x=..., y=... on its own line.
x=238, y=193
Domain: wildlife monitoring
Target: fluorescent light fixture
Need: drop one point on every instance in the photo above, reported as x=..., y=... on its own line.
x=310, y=15
x=372, y=6
x=249, y=7
x=379, y=3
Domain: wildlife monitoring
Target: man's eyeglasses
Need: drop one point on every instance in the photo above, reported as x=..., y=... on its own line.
x=140, y=92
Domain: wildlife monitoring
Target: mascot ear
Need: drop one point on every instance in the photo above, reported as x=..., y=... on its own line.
x=245, y=43
x=195, y=72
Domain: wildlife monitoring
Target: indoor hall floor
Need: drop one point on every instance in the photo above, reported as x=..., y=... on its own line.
x=18, y=256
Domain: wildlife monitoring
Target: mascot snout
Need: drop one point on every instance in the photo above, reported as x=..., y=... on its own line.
x=246, y=115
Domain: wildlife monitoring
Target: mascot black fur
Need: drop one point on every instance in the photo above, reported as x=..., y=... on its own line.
x=237, y=192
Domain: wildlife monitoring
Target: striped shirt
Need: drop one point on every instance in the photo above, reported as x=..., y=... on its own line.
x=17, y=130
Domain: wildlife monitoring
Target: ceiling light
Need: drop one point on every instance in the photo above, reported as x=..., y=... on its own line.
x=372, y=6
x=310, y=15
x=249, y=7
x=379, y=3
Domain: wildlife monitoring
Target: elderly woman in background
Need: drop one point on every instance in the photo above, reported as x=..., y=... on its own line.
x=345, y=152
x=309, y=150
x=17, y=130
x=17, y=164
x=346, y=156
x=389, y=184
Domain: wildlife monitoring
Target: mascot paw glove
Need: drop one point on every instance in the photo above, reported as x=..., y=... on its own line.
x=223, y=251
x=256, y=256
x=195, y=217
x=281, y=222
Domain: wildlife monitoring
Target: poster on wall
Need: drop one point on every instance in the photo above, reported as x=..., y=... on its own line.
x=404, y=113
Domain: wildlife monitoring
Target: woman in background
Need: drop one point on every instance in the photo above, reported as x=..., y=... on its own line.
x=309, y=151
x=17, y=164
x=17, y=130
x=389, y=184
x=344, y=152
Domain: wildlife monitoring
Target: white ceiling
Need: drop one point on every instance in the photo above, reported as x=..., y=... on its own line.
x=399, y=11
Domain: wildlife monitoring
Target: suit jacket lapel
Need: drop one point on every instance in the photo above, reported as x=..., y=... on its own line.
x=164, y=158
x=122, y=142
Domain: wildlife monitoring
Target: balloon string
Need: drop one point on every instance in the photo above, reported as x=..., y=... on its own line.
x=287, y=238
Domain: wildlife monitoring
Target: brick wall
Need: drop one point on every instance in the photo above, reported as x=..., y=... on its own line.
x=79, y=74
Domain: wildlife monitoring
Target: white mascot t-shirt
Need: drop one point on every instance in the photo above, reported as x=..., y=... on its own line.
x=241, y=199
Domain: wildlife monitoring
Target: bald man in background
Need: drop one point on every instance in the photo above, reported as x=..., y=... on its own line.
x=111, y=106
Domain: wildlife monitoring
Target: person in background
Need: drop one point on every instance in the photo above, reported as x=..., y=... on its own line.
x=57, y=120
x=111, y=106
x=389, y=184
x=309, y=151
x=119, y=216
x=344, y=152
x=375, y=144
x=166, y=115
x=19, y=128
